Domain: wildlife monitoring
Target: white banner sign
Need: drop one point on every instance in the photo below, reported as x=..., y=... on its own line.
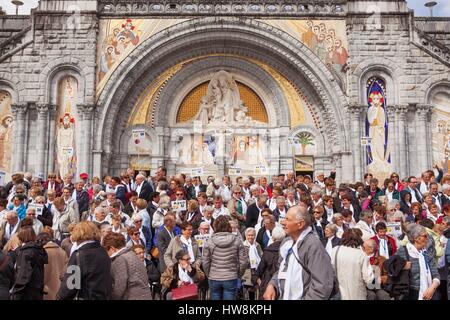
x=234, y=171
x=196, y=172
x=260, y=170
x=201, y=239
x=394, y=229
x=68, y=151
x=179, y=205
x=39, y=208
x=366, y=141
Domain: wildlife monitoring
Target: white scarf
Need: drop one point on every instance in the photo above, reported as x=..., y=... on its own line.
x=260, y=219
x=183, y=275
x=384, y=249
x=188, y=244
x=293, y=275
x=329, y=246
x=253, y=255
x=425, y=274
x=270, y=238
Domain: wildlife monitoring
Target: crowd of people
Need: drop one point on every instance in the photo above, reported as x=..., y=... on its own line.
x=170, y=237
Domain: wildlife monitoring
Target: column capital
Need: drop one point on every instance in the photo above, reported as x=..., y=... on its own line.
x=85, y=110
x=422, y=110
x=402, y=110
x=19, y=108
x=356, y=108
x=391, y=110
x=42, y=108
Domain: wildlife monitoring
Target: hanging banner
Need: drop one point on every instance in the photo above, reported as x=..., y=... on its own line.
x=260, y=170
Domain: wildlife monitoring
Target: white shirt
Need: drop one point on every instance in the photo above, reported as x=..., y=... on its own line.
x=10, y=231
x=138, y=188
x=220, y=212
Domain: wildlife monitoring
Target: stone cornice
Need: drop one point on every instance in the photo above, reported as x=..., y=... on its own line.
x=226, y=7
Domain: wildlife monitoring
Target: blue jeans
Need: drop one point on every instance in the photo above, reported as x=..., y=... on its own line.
x=223, y=290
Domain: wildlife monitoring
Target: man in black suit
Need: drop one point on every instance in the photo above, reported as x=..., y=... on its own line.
x=254, y=211
x=437, y=197
x=165, y=235
x=143, y=187
x=416, y=195
x=445, y=194
x=264, y=236
x=195, y=188
x=121, y=190
x=153, y=205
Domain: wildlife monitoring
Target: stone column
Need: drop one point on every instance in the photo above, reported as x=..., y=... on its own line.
x=337, y=160
x=52, y=138
x=19, y=112
x=421, y=137
x=401, y=141
x=355, y=119
x=85, y=112
x=392, y=138
x=41, y=147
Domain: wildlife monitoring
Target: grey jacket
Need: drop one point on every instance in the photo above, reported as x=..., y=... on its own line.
x=130, y=279
x=414, y=274
x=224, y=257
x=176, y=245
x=318, y=279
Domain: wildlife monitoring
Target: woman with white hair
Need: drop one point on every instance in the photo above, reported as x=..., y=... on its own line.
x=423, y=275
x=254, y=253
x=269, y=261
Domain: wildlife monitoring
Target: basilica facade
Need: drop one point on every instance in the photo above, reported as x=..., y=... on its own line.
x=224, y=87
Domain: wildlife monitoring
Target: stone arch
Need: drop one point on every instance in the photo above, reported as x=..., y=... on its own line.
x=438, y=86
x=12, y=84
x=71, y=66
x=57, y=76
x=240, y=35
x=384, y=72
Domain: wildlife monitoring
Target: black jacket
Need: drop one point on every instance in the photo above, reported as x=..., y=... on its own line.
x=95, y=269
x=146, y=191
x=190, y=191
x=83, y=201
x=7, y=261
x=268, y=265
x=46, y=217
x=29, y=283
x=251, y=217
x=398, y=279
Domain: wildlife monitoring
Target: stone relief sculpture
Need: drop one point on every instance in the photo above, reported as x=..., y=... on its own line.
x=222, y=104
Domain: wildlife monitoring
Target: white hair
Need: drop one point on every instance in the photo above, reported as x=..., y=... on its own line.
x=250, y=230
x=445, y=187
x=278, y=234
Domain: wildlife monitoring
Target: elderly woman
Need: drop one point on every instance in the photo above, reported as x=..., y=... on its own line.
x=93, y=263
x=353, y=269
x=331, y=239
x=184, y=241
x=338, y=220
x=254, y=253
x=182, y=272
x=423, y=276
x=130, y=279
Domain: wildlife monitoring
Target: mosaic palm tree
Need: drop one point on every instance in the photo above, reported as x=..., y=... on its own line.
x=305, y=139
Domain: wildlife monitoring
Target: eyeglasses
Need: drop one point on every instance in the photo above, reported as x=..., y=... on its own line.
x=186, y=259
x=137, y=221
x=180, y=194
x=317, y=212
x=136, y=233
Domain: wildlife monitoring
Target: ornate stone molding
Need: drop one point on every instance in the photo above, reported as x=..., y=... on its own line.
x=85, y=111
x=440, y=51
x=391, y=110
x=355, y=109
x=422, y=111
x=226, y=7
x=401, y=112
x=19, y=109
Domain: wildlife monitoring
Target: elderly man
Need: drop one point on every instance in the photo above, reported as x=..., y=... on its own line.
x=264, y=234
x=9, y=227
x=280, y=211
x=253, y=216
x=81, y=196
x=143, y=187
x=37, y=225
x=305, y=271
x=165, y=235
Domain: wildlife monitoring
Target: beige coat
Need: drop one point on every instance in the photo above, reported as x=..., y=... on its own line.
x=54, y=270
x=354, y=272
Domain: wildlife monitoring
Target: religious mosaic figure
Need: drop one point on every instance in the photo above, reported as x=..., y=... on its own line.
x=6, y=130
x=377, y=129
x=65, y=144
